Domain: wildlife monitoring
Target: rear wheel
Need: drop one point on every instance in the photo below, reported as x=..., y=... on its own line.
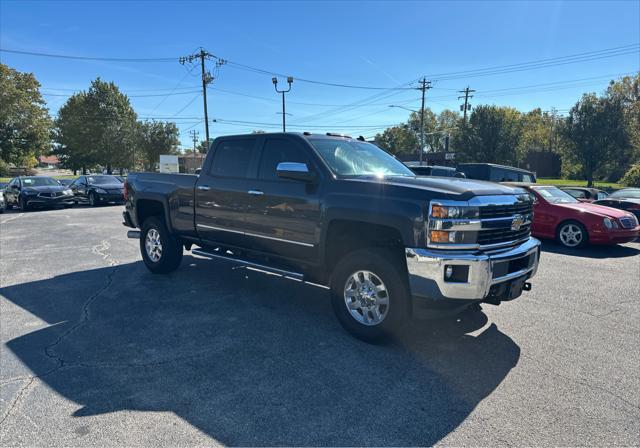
x=369, y=294
x=572, y=234
x=161, y=251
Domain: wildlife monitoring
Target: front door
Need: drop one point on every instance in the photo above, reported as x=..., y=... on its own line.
x=283, y=216
x=221, y=192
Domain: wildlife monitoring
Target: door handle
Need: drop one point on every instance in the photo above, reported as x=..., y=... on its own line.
x=255, y=192
x=204, y=187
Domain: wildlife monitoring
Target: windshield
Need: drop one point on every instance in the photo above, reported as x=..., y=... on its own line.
x=626, y=193
x=555, y=195
x=40, y=182
x=355, y=158
x=103, y=180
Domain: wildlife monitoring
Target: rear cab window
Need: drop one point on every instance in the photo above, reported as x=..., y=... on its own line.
x=233, y=157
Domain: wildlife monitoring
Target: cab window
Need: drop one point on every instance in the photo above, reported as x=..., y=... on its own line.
x=277, y=150
x=233, y=158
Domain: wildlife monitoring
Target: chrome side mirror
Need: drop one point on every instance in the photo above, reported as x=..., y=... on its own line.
x=295, y=171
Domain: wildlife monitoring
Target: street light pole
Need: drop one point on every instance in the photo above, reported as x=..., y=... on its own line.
x=275, y=85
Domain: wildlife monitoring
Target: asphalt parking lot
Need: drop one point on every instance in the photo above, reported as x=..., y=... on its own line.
x=97, y=351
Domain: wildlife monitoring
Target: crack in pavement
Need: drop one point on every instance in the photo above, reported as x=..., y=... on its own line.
x=84, y=318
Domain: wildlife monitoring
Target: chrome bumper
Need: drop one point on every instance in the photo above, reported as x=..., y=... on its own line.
x=427, y=270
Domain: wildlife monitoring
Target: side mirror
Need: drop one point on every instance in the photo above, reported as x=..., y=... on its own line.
x=295, y=171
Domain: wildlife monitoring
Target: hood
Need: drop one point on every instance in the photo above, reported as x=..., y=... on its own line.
x=449, y=185
x=596, y=209
x=46, y=188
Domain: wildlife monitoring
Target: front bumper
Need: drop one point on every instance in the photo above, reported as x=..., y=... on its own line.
x=617, y=236
x=110, y=197
x=44, y=201
x=485, y=269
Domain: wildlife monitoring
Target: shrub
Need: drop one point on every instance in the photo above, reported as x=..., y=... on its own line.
x=5, y=171
x=632, y=177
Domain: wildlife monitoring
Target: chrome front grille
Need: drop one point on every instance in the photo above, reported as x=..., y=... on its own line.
x=489, y=222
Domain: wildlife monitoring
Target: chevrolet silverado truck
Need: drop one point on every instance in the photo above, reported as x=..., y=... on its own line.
x=341, y=214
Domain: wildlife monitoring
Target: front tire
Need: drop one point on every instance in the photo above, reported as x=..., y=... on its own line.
x=161, y=251
x=93, y=201
x=572, y=235
x=23, y=204
x=370, y=294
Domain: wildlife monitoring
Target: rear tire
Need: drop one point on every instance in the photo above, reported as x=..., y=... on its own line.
x=161, y=251
x=370, y=294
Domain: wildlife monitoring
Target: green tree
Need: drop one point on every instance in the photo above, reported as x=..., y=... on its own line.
x=203, y=147
x=73, y=137
x=491, y=135
x=596, y=135
x=25, y=125
x=155, y=138
x=626, y=91
x=398, y=139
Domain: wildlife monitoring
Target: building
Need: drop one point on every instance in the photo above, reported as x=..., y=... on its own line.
x=50, y=162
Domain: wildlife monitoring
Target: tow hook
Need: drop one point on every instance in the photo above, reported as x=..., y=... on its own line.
x=526, y=286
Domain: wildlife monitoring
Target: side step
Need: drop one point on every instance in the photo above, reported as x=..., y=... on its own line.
x=221, y=254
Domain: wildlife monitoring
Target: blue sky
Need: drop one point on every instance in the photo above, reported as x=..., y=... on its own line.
x=378, y=44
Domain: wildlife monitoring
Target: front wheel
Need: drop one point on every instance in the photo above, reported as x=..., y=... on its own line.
x=572, y=234
x=161, y=251
x=370, y=294
x=24, y=206
x=93, y=200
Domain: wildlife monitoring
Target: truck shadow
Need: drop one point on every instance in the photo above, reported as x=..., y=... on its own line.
x=594, y=251
x=251, y=360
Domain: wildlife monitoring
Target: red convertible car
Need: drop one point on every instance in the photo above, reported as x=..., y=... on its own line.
x=562, y=217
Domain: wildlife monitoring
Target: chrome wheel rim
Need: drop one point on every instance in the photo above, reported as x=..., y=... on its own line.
x=571, y=235
x=153, y=245
x=366, y=298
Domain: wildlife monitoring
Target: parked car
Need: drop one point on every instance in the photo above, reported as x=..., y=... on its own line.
x=433, y=170
x=36, y=191
x=98, y=189
x=627, y=199
x=65, y=182
x=496, y=173
x=344, y=215
x=560, y=216
x=585, y=194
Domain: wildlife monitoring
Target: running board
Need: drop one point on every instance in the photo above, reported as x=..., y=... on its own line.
x=228, y=256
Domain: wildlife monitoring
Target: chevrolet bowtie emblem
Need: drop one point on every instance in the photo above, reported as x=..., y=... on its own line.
x=518, y=221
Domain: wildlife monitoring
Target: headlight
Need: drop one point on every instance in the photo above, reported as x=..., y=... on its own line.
x=101, y=191
x=454, y=212
x=67, y=192
x=610, y=223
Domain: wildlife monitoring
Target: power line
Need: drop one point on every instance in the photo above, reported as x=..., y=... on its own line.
x=87, y=58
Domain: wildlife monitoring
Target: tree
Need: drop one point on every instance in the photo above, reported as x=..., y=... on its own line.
x=539, y=133
x=112, y=125
x=74, y=141
x=203, y=147
x=398, y=139
x=596, y=133
x=626, y=91
x=491, y=135
x=25, y=125
x=155, y=138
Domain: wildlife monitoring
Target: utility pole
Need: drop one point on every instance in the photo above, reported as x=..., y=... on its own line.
x=194, y=136
x=275, y=84
x=466, y=106
x=424, y=86
x=207, y=78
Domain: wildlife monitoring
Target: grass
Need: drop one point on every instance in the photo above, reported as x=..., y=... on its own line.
x=577, y=183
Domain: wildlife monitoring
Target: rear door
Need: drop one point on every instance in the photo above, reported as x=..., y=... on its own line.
x=283, y=217
x=222, y=191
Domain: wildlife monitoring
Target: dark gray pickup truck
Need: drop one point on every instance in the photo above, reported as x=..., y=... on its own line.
x=342, y=214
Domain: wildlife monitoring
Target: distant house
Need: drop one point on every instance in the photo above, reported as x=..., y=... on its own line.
x=48, y=162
